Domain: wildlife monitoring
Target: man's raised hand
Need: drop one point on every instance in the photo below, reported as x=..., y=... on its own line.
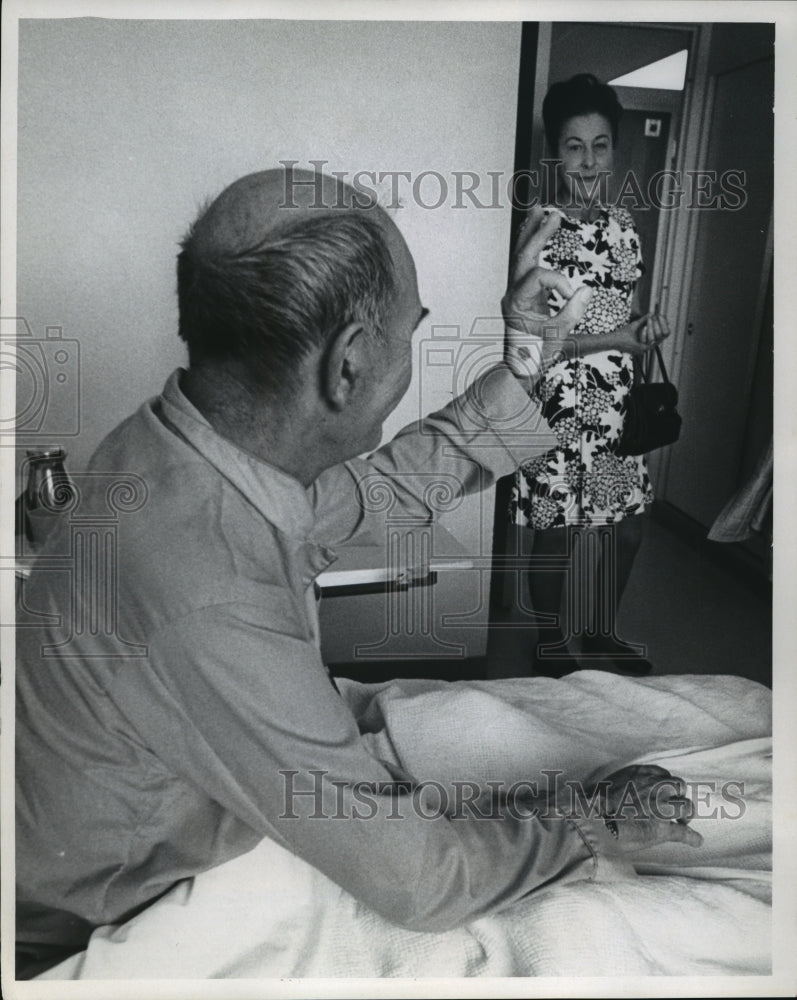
x=532, y=336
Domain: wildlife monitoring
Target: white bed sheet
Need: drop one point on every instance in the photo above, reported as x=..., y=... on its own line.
x=679, y=911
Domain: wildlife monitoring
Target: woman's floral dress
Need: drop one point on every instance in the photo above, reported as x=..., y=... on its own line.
x=584, y=481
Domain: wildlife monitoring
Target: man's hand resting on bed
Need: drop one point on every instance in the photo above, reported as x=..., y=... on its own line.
x=643, y=805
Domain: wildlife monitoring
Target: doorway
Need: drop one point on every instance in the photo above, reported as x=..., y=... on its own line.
x=688, y=254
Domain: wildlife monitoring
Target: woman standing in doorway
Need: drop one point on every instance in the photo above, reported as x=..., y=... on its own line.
x=583, y=483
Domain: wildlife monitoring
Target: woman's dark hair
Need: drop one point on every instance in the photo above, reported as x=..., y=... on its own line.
x=583, y=94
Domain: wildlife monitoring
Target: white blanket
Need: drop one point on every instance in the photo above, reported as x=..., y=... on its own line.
x=682, y=911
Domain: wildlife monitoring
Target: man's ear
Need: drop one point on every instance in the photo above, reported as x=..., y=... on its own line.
x=343, y=365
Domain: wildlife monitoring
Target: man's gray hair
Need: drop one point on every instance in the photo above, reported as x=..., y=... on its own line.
x=267, y=307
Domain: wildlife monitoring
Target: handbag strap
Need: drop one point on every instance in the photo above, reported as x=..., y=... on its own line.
x=639, y=369
x=657, y=349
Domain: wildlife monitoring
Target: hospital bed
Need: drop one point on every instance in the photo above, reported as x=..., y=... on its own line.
x=677, y=911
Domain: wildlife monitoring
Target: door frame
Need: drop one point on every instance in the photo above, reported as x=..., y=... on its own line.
x=678, y=251
x=673, y=254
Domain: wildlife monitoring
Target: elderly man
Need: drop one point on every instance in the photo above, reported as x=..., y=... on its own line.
x=135, y=771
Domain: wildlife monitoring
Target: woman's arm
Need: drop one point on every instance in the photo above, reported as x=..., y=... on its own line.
x=635, y=338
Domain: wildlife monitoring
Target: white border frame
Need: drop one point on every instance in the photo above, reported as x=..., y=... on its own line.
x=784, y=980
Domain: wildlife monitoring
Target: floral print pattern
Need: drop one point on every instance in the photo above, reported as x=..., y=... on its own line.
x=584, y=481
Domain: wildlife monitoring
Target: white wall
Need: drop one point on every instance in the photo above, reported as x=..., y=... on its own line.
x=125, y=127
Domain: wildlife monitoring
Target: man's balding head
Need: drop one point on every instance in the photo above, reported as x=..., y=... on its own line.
x=276, y=265
x=262, y=204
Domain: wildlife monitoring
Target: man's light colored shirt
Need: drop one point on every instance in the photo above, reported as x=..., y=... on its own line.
x=154, y=719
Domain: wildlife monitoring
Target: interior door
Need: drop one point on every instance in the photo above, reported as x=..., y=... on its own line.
x=641, y=150
x=722, y=349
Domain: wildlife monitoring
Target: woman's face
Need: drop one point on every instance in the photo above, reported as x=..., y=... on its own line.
x=586, y=150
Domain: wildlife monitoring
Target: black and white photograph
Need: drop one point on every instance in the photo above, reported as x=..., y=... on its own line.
x=394, y=584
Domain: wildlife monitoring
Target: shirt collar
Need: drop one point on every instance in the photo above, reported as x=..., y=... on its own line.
x=282, y=500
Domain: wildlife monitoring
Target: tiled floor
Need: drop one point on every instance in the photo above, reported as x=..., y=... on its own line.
x=693, y=616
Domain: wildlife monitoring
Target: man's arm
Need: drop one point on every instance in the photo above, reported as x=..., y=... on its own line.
x=484, y=434
x=492, y=428
x=248, y=715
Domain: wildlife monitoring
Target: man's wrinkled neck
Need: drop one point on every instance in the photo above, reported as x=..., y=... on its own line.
x=264, y=429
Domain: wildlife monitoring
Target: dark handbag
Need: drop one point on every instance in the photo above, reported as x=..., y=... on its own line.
x=651, y=418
